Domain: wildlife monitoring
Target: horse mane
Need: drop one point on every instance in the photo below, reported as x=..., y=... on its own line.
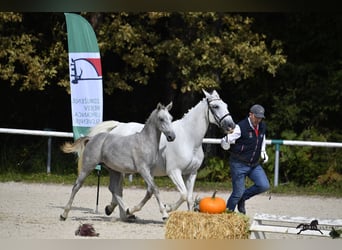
x=149, y=118
x=193, y=107
x=205, y=99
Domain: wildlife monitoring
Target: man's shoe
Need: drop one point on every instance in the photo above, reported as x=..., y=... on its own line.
x=241, y=206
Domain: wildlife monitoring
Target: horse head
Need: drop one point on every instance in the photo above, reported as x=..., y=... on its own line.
x=164, y=121
x=218, y=111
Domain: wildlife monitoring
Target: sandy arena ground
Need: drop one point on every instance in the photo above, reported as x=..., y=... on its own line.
x=31, y=211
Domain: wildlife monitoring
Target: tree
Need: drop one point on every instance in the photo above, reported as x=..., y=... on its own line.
x=187, y=51
x=307, y=91
x=175, y=54
x=32, y=56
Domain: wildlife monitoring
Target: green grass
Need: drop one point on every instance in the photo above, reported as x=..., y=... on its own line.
x=165, y=183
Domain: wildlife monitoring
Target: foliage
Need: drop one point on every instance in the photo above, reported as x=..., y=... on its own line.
x=331, y=177
x=307, y=91
x=308, y=165
x=20, y=154
x=31, y=56
x=214, y=169
x=188, y=51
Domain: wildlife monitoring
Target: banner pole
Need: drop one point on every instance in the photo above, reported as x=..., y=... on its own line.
x=98, y=190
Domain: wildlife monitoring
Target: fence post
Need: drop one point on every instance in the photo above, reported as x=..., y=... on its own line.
x=48, y=164
x=49, y=145
x=276, y=160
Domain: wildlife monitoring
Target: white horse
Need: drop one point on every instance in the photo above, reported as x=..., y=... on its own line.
x=134, y=153
x=181, y=159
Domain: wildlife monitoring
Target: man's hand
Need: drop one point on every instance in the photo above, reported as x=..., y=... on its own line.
x=264, y=156
x=224, y=143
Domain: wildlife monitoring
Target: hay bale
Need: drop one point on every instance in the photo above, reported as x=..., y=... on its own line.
x=195, y=225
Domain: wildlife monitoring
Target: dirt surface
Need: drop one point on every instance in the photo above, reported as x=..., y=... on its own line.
x=31, y=211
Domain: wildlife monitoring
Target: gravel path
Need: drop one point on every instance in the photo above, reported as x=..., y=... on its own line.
x=31, y=211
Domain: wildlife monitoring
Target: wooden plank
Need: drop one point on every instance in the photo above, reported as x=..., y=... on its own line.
x=268, y=223
x=257, y=234
x=286, y=230
x=297, y=219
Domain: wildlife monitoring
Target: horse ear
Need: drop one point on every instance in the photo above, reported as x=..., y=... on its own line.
x=205, y=93
x=169, y=106
x=159, y=106
x=214, y=93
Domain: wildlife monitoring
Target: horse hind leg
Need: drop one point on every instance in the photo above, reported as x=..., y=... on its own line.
x=78, y=184
x=87, y=166
x=125, y=214
x=86, y=163
x=115, y=187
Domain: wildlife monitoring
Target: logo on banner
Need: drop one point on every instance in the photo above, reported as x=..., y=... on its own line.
x=84, y=69
x=86, y=88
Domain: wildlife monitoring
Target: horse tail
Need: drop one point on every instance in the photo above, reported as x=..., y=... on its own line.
x=105, y=126
x=77, y=147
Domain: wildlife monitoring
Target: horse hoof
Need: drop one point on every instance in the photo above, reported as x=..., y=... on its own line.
x=62, y=218
x=167, y=207
x=131, y=218
x=108, y=210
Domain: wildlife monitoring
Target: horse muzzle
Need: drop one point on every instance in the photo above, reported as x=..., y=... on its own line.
x=170, y=136
x=228, y=125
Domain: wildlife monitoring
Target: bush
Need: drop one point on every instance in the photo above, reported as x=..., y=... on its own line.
x=28, y=154
x=214, y=170
x=303, y=165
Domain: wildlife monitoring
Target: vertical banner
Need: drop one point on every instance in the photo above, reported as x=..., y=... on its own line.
x=85, y=75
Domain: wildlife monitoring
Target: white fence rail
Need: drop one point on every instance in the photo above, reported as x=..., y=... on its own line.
x=35, y=132
x=288, y=142
x=276, y=142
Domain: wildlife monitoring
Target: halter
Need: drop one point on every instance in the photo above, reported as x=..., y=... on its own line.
x=217, y=119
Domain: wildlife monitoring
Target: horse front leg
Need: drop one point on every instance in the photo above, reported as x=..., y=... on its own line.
x=146, y=175
x=190, y=184
x=142, y=203
x=177, y=179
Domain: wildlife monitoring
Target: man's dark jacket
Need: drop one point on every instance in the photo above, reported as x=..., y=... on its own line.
x=247, y=148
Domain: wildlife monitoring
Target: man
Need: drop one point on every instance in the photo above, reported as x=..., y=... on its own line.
x=246, y=144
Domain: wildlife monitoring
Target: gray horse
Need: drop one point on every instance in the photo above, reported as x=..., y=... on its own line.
x=134, y=153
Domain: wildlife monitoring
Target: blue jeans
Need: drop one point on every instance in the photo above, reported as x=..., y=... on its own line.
x=239, y=172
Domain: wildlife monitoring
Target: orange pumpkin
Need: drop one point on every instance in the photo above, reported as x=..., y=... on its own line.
x=212, y=205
